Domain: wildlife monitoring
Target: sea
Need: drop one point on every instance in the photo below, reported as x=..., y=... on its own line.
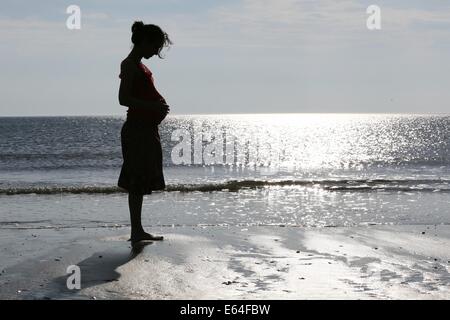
x=298, y=170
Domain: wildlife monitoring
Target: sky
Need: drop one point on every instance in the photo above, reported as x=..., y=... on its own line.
x=236, y=56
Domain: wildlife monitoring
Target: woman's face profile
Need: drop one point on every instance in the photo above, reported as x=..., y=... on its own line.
x=149, y=49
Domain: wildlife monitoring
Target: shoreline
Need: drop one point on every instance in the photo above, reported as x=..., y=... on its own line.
x=370, y=262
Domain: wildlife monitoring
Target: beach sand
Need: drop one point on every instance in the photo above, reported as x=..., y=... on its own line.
x=212, y=262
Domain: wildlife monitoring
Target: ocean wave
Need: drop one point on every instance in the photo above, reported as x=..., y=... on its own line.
x=405, y=185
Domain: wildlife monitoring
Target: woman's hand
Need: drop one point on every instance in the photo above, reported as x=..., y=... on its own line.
x=165, y=108
x=162, y=110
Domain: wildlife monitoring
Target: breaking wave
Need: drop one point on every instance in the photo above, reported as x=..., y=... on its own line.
x=401, y=185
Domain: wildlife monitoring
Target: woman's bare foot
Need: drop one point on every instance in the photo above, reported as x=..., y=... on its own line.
x=144, y=236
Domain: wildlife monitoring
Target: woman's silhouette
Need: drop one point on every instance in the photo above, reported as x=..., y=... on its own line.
x=141, y=147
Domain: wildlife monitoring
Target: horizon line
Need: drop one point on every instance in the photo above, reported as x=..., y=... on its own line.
x=215, y=114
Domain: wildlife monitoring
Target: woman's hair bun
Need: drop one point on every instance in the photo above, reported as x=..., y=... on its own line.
x=151, y=33
x=137, y=25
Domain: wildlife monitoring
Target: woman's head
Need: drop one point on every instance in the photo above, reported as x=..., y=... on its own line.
x=149, y=38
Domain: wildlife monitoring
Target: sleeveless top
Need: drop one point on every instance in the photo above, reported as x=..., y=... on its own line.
x=143, y=88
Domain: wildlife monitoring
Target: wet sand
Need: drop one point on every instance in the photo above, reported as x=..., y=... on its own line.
x=371, y=262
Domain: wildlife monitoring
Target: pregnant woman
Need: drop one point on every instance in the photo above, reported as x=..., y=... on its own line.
x=142, y=170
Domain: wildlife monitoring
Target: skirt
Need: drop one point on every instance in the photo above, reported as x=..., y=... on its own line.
x=142, y=170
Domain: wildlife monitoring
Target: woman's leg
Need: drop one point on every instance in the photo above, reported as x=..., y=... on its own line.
x=135, y=204
x=137, y=231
